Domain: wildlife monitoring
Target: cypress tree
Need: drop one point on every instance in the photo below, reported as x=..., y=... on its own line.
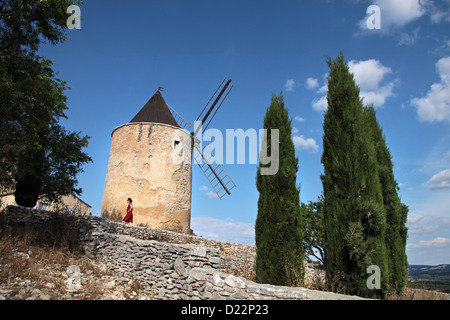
x=354, y=216
x=278, y=228
x=396, y=212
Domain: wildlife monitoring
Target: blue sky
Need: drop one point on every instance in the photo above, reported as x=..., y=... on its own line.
x=126, y=49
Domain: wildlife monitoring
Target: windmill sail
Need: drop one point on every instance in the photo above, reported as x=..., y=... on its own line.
x=214, y=172
x=215, y=106
x=183, y=123
x=211, y=168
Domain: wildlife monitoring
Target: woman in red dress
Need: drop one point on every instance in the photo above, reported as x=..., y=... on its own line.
x=129, y=216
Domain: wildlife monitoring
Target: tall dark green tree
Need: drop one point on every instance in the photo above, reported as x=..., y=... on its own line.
x=396, y=212
x=354, y=215
x=278, y=229
x=38, y=156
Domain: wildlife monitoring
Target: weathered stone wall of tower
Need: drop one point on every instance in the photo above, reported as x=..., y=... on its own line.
x=152, y=164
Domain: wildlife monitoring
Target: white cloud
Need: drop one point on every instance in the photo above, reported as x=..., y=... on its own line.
x=437, y=14
x=439, y=242
x=226, y=230
x=419, y=224
x=378, y=97
x=407, y=39
x=320, y=104
x=369, y=75
x=435, y=106
x=440, y=180
x=290, y=84
x=210, y=194
x=431, y=219
x=396, y=13
x=414, y=217
x=305, y=143
x=312, y=83
x=443, y=67
x=295, y=130
x=324, y=88
x=299, y=119
x=443, y=49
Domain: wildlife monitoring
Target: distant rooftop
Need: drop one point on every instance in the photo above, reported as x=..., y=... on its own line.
x=156, y=110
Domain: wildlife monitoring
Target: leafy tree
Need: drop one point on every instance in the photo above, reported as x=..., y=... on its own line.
x=38, y=156
x=278, y=229
x=396, y=212
x=354, y=215
x=313, y=229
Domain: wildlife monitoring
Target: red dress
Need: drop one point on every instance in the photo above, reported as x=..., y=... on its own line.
x=129, y=215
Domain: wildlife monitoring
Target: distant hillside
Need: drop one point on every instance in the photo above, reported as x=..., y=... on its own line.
x=430, y=277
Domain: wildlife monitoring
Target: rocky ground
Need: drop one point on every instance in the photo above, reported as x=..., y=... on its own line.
x=33, y=273
x=44, y=271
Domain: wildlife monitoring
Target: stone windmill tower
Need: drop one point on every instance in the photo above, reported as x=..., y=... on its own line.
x=151, y=162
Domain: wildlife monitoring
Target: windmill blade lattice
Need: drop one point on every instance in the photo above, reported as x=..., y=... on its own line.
x=211, y=168
x=179, y=119
x=214, y=172
x=215, y=105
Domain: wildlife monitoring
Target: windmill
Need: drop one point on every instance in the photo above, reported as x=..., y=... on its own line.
x=214, y=172
x=151, y=162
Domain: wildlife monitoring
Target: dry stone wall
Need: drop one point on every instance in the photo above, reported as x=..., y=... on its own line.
x=174, y=265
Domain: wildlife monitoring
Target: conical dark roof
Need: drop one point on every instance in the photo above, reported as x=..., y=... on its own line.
x=156, y=110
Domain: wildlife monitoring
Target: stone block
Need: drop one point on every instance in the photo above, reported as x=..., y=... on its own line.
x=198, y=252
x=251, y=288
x=229, y=289
x=234, y=282
x=267, y=291
x=214, y=260
x=216, y=280
x=217, y=296
x=198, y=274
x=281, y=293
x=180, y=267
x=296, y=294
x=240, y=295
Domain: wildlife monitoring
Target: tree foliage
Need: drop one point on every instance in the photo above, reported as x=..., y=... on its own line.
x=396, y=212
x=354, y=215
x=278, y=229
x=38, y=156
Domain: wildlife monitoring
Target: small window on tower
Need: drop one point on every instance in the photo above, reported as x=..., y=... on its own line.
x=176, y=143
